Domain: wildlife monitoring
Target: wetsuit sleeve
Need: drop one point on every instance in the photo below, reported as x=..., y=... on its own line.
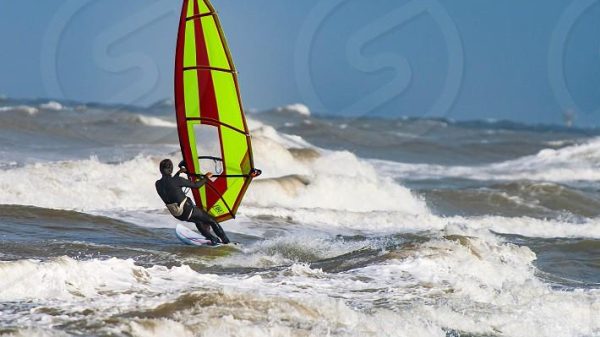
x=182, y=182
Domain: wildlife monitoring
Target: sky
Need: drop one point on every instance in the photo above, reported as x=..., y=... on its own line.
x=528, y=61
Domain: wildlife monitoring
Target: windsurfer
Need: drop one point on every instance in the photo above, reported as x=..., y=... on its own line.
x=169, y=189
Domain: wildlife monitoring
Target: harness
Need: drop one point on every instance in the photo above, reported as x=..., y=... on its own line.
x=177, y=209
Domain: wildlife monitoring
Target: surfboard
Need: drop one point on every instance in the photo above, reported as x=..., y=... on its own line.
x=211, y=124
x=192, y=238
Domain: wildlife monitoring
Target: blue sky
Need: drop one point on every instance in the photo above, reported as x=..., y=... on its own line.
x=469, y=59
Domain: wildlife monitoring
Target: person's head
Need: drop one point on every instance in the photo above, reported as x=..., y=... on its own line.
x=166, y=167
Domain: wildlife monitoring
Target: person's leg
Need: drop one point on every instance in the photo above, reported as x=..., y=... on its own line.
x=219, y=231
x=205, y=218
x=199, y=220
x=204, y=229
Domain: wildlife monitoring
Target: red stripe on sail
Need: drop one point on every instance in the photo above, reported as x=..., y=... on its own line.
x=182, y=130
x=208, y=101
x=208, y=104
x=180, y=91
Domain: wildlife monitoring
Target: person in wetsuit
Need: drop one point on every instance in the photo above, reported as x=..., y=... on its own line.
x=169, y=189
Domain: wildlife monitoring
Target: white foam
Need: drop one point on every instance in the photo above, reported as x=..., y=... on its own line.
x=485, y=285
x=263, y=133
x=156, y=122
x=295, y=248
x=21, y=108
x=159, y=328
x=337, y=181
x=472, y=285
x=475, y=285
x=111, y=287
x=33, y=332
x=52, y=105
x=530, y=227
x=572, y=163
x=334, y=191
x=297, y=108
x=85, y=185
x=63, y=278
x=379, y=223
x=334, y=180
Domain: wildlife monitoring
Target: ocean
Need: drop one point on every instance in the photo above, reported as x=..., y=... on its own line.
x=358, y=227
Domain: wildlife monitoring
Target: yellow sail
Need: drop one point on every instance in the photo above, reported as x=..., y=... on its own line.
x=212, y=128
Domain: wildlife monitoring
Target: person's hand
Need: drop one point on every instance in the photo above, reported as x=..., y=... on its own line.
x=208, y=175
x=255, y=173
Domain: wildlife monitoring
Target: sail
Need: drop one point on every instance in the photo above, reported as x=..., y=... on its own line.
x=212, y=128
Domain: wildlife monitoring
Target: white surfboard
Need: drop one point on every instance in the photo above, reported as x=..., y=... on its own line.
x=192, y=238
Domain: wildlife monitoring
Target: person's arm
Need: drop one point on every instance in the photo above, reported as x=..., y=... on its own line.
x=182, y=182
x=187, y=183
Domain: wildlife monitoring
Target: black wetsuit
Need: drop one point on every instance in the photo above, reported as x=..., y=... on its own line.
x=170, y=191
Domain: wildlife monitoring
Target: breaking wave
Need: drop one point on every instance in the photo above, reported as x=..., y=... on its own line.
x=465, y=285
x=573, y=163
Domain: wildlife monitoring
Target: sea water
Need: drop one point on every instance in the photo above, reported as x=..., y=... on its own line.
x=358, y=227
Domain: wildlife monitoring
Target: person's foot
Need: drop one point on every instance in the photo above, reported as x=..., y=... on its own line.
x=213, y=240
x=220, y=233
x=223, y=237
